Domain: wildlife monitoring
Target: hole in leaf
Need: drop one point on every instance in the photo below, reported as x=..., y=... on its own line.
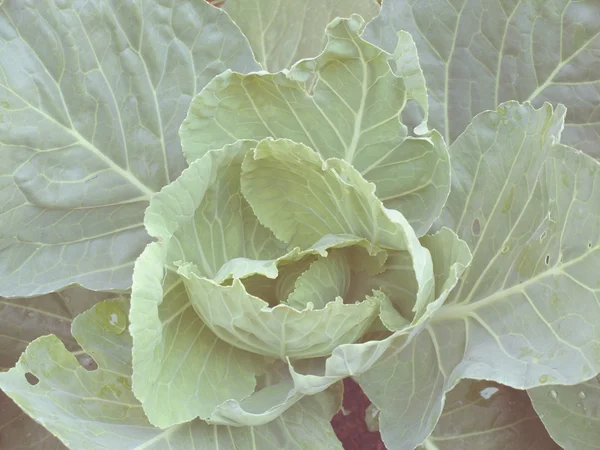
x=475, y=228
x=589, y=245
x=542, y=236
x=547, y=259
x=31, y=379
x=87, y=362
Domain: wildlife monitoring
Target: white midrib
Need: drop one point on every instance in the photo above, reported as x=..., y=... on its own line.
x=429, y=445
x=148, y=192
x=161, y=436
x=501, y=51
x=461, y=310
x=351, y=150
x=558, y=68
x=447, y=75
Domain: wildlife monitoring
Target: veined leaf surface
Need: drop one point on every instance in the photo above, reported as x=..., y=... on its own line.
x=477, y=54
x=283, y=32
x=97, y=410
x=92, y=97
x=525, y=311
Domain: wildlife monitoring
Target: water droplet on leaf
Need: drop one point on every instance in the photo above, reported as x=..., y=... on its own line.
x=553, y=394
x=582, y=395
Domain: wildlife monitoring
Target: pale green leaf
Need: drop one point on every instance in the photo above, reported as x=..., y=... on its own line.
x=259, y=408
x=397, y=280
x=300, y=198
x=282, y=32
x=97, y=410
x=275, y=280
x=274, y=395
x=206, y=218
x=407, y=66
x=325, y=279
x=201, y=218
x=530, y=211
x=406, y=383
x=345, y=103
x=478, y=54
x=570, y=413
x=371, y=258
x=93, y=94
x=23, y=320
x=525, y=310
x=182, y=370
x=377, y=359
x=401, y=288
x=451, y=256
x=19, y=432
x=485, y=415
x=390, y=316
x=247, y=322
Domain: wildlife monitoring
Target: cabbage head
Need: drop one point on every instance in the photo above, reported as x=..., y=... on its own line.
x=293, y=249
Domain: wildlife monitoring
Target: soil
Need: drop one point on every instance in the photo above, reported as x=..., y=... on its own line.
x=349, y=423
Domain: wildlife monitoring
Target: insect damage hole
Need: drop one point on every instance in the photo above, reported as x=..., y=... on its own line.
x=476, y=227
x=87, y=362
x=547, y=260
x=31, y=379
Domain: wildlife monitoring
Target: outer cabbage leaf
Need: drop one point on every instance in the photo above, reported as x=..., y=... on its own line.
x=486, y=415
x=19, y=431
x=181, y=369
x=407, y=65
x=523, y=313
x=344, y=104
x=200, y=217
x=570, y=413
x=404, y=382
x=477, y=54
x=282, y=32
x=275, y=393
x=530, y=209
x=97, y=410
x=92, y=100
x=23, y=320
